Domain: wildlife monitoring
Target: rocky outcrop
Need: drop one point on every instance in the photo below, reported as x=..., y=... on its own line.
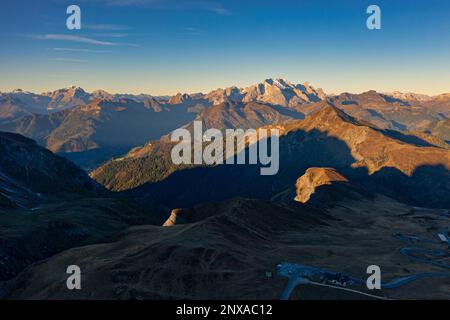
x=314, y=178
x=179, y=216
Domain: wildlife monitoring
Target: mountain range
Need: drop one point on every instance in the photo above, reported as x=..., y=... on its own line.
x=398, y=165
x=364, y=178
x=90, y=128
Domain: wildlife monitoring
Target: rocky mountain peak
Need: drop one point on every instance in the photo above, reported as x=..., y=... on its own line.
x=278, y=82
x=330, y=116
x=102, y=94
x=179, y=98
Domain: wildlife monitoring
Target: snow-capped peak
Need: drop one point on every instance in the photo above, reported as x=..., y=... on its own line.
x=283, y=84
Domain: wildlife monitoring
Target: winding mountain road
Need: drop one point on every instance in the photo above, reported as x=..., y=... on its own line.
x=300, y=274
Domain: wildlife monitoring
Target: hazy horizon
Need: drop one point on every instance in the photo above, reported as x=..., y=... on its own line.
x=149, y=92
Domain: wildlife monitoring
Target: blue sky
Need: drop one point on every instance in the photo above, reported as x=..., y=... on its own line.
x=168, y=46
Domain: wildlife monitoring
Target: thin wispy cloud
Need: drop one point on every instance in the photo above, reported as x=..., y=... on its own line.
x=66, y=37
x=110, y=35
x=82, y=50
x=81, y=39
x=105, y=27
x=67, y=60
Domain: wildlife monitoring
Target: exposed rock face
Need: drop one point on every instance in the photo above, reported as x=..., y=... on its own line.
x=179, y=98
x=67, y=98
x=313, y=178
x=179, y=216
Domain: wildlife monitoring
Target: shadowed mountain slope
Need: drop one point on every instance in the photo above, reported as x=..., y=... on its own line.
x=48, y=204
x=328, y=138
x=232, y=245
x=28, y=171
x=152, y=162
